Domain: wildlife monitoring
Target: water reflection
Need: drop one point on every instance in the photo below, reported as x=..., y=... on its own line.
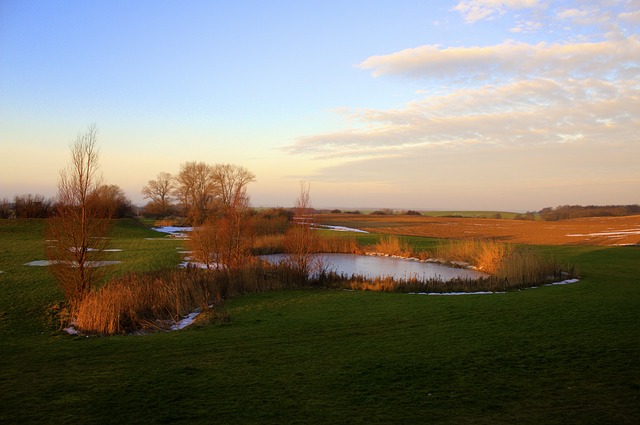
x=375, y=266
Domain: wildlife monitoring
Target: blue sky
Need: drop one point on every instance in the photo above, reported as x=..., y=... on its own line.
x=472, y=104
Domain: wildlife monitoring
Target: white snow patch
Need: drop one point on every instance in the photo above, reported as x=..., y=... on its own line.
x=564, y=282
x=44, y=263
x=339, y=228
x=174, y=231
x=618, y=233
x=75, y=249
x=71, y=330
x=456, y=293
x=186, y=321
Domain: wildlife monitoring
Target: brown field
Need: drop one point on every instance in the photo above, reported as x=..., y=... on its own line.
x=583, y=231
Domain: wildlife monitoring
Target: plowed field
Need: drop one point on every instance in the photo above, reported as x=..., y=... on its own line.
x=582, y=231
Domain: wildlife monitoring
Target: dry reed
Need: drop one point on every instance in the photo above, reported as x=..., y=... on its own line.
x=154, y=301
x=393, y=246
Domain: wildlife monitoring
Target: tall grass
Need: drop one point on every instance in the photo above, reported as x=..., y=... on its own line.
x=275, y=244
x=507, y=268
x=153, y=301
x=392, y=245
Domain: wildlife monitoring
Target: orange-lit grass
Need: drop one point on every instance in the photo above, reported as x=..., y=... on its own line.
x=507, y=267
x=392, y=245
x=151, y=301
x=486, y=255
x=275, y=244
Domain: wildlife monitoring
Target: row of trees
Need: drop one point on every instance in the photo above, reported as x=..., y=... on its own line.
x=199, y=189
x=565, y=212
x=213, y=198
x=106, y=197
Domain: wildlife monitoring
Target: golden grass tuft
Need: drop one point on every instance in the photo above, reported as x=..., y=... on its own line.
x=155, y=301
x=392, y=245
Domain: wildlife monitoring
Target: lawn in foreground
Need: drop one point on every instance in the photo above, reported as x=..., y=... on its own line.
x=551, y=355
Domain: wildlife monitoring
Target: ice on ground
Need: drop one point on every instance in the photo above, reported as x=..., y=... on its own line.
x=456, y=293
x=186, y=321
x=174, y=231
x=71, y=330
x=44, y=263
x=618, y=233
x=339, y=228
x=75, y=249
x=564, y=282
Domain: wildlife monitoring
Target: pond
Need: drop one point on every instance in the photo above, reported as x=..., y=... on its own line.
x=376, y=266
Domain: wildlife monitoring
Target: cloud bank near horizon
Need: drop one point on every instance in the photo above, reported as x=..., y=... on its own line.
x=573, y=96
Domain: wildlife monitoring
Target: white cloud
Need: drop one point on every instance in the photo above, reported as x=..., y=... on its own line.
x=631, y=17
x=508, y=58
x=476, y=10
x=544, y=116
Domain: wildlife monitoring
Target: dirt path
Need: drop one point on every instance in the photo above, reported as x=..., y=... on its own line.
x=604, y=231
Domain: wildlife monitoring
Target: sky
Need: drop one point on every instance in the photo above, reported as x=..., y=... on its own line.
x=511, y=105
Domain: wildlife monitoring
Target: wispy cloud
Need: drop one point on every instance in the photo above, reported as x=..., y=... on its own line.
x=508, y=59
x=475, y=10
x=573, y=99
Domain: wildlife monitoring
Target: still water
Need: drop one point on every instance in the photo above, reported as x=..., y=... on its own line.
x=375, y=266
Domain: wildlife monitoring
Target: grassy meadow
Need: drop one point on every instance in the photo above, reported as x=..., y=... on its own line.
x=562, y=354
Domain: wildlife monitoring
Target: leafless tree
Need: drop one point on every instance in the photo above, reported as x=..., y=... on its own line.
x=301, y=240
x=6, y=211
x=78, y=232
x=32, y=206
x=225, y=236
x=160, y=192
x=195, y=190
x=110, y=201
x=230, y=184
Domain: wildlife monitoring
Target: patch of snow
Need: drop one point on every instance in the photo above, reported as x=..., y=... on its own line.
x=339, y=228
x=619, y=233
x=564, y=282
x=75, y=249
x=71, y=330
x=44, y=263
x=457, y=293
x=186, y=321
x=174, y=231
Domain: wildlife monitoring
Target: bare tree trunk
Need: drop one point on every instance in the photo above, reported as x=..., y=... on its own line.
x=301, y=241
x=77, y=233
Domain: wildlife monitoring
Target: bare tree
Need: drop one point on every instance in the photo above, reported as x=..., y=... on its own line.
x=32, y=206
x=301, y=241
x=160, y=192
x=195, y=189
x=225, y=236
x=110, y=201
x=79, y=229
x=230, y=184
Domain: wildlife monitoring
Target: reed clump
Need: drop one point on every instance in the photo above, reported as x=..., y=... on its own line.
x=338, y=245
x=156, y=301
x=393, y=246
x=486, y=255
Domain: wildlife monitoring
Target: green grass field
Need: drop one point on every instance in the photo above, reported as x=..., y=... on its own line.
x=564, y=354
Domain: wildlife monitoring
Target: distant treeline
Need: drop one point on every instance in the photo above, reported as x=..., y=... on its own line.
x=565, y=212
x=109, y=197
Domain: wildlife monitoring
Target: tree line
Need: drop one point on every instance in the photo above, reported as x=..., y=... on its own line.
x=566, y=212
x=111, y=197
